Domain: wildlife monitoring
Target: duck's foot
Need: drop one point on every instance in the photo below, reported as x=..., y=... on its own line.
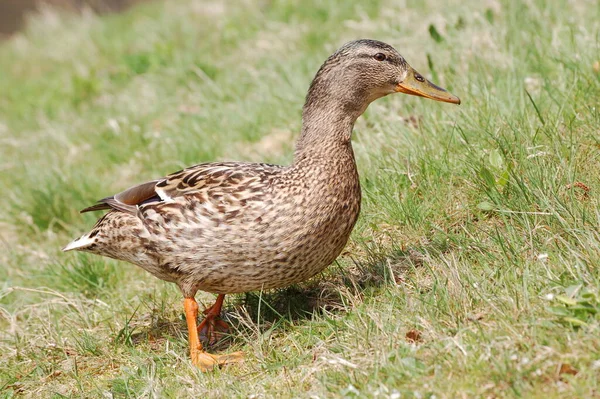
x=212, y=328
x=206, y=361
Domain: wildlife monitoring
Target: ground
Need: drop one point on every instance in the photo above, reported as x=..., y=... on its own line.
x=473, y=269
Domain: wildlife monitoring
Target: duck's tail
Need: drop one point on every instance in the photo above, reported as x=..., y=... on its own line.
x=80, y=243
x=88, y=239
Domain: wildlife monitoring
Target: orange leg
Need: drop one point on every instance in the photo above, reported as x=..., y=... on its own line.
x=205, y=361
x=212, y=326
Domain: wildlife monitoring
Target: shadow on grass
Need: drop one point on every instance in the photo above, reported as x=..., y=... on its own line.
x=329, y=291
x=257, y=312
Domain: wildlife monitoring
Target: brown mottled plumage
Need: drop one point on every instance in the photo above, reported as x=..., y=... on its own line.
x=234, y=227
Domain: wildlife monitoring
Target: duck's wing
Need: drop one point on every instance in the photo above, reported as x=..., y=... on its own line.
x=216, y=179
x=127, y=201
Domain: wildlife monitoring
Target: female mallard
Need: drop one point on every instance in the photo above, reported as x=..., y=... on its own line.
x=234, y=227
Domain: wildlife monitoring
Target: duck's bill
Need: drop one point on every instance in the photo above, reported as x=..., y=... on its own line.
x=417, y=85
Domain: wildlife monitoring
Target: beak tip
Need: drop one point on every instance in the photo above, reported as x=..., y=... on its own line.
x=454, y=100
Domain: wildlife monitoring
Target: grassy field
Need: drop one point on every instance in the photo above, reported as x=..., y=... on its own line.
x=473, y=270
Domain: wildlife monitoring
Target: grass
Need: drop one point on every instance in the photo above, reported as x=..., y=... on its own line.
x=472, y=272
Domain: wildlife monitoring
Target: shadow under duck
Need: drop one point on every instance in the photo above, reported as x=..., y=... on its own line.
x=233, y=227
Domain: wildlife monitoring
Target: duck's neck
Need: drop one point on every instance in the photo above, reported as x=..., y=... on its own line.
x=326, y=128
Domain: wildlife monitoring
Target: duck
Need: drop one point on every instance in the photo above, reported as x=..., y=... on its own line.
x=234, y=227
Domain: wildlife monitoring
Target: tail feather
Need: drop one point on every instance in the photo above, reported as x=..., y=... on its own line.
x=80, y=243
x=87, y=239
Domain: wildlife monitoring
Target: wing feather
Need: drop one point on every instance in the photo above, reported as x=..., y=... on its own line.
x=214, y=178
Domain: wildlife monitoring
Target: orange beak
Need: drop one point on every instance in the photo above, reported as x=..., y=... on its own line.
x=417, y=85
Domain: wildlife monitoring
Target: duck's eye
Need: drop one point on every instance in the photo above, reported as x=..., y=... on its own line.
x=380, y=57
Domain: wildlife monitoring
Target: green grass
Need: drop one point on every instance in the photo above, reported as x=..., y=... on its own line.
x=473, y=270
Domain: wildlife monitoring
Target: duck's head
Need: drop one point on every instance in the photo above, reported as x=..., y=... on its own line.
x=364, y=70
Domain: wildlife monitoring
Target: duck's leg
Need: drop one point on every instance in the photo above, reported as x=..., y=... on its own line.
x=205, y=361
x=212, y=326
